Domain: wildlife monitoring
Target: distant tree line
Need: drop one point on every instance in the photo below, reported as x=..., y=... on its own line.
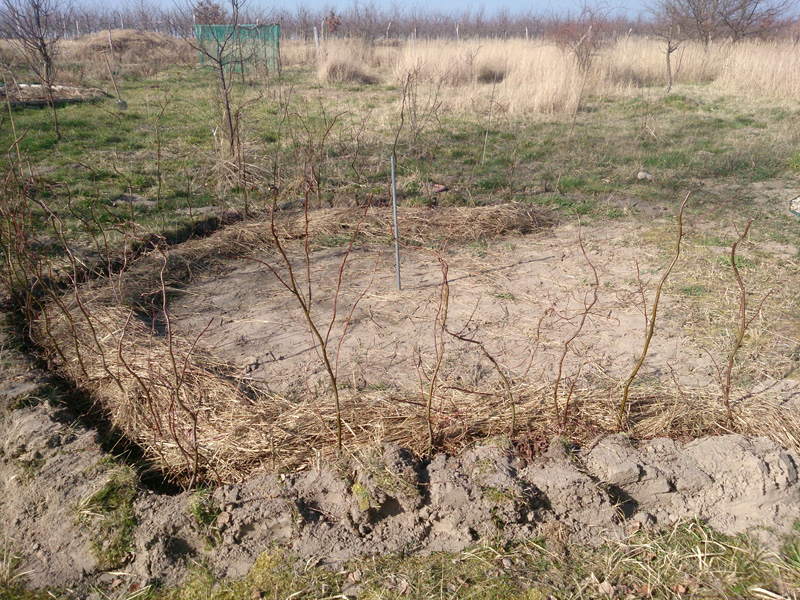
x=703, y=20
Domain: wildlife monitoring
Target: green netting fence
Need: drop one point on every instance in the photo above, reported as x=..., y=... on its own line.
x=240, y=47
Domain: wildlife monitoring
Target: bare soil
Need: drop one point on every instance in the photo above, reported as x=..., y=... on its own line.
x=384, y=502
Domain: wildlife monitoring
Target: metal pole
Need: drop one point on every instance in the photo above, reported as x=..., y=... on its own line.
x=396, y=230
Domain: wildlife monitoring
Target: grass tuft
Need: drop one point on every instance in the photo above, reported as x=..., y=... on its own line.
x=108, y=515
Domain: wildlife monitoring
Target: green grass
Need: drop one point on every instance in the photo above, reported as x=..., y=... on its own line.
x=480, y=248
x=202, y=507
x=505, y=296
x=108, y=516
x=104, y=153
x=791, y=549
x=687, y=561
x=204, y=511
x=695, y=289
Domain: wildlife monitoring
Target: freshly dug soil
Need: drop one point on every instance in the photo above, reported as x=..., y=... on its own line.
x=386, y=501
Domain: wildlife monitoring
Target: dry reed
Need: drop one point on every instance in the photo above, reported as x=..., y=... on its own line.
x=536, y=76
x=346, y=62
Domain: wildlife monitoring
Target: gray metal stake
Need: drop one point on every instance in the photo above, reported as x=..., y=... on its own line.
x=396, y=230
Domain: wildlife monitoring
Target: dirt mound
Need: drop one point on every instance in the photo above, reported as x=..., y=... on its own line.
x=47, y=466
x=391, y=503
x=126, y=41
x=131, y=46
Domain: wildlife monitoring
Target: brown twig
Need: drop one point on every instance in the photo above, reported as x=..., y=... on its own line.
x=652, y=324
x=587, y=309
x=743, y=324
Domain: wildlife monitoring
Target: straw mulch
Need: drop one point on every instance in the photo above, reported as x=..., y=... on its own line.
x=197, y=421
x=192, y=417
x=419, y=225
x=33, y=94
x=111, y=337
x=140, y=281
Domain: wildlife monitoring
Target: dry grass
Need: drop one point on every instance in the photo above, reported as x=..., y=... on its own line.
x=134, y=51
x=637, y=61
x=191, y=412
x=346, y=62
x=297, y=53
x=762, y=69
x=685, y=561
x=531, y=76
x=420, y=225
x=536, y=76
x=344, y=70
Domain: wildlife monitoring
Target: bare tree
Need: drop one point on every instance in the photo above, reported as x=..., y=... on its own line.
x=220, y=53
x=304, y=21
x=34, y=28
x=669, y=28
x=699, y=17
x=207, y=12
x=582, y=35
x=706, y=20
x=748, y=18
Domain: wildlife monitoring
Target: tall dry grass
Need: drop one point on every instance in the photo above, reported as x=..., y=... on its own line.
x=350, y=61
x=134, y=52
x=639, y=62
x=762, y=68
x=537, y=76
x=526, y=76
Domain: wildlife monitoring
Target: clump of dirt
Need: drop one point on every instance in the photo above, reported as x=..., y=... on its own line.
x=47, y=466
x=384, y=501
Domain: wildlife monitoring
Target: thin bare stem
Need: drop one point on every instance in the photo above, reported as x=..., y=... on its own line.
x=587, y=309
x=441, y=320
x=743, y=324
x=652, y=325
